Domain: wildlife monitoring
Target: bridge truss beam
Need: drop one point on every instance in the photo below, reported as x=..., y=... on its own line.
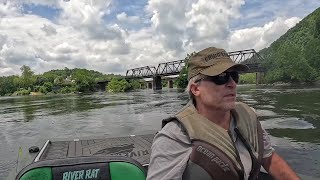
x=248, y=57
x=145, y=72
x=170, y=68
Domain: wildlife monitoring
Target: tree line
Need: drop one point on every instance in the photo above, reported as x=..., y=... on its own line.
x=60, y=81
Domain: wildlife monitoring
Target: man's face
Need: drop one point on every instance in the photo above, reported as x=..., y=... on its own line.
x=219, y=97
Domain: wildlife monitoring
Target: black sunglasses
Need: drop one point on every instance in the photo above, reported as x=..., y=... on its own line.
x=222, y=78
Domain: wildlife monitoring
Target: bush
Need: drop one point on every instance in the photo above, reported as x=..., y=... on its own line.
x=43, y=89
x=116, y=85
x=249, y=78
x=182, y=81
x=23, y=92
x=134, y=84
x=48, y=86
x=65, y=90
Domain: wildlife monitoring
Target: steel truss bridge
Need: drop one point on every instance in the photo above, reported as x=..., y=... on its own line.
x=248, y=57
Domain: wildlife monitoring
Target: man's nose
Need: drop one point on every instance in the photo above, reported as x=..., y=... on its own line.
x=231, y=82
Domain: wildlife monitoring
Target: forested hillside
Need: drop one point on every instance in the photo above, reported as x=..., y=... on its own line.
x=295, y=56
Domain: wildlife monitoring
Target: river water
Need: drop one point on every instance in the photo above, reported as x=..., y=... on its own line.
x=290, y=114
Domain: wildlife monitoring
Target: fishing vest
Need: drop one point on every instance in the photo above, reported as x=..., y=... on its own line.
x=214, y=155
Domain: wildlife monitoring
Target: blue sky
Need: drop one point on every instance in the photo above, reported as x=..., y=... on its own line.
x=112, y=36
x=45, y=11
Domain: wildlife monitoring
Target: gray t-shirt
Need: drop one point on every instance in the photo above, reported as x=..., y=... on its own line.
x=172, y=147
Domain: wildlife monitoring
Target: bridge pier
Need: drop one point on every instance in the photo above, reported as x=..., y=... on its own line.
x=170, y=83
x=143, y=85
x=149, y=85
x=259, y=77
x=156, y=83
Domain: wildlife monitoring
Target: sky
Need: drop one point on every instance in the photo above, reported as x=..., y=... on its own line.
x=112, y=36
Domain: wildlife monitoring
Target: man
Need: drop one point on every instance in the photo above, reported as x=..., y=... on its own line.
x=213, y=137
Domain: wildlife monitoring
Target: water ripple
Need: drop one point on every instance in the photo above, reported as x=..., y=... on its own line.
x=286, y=123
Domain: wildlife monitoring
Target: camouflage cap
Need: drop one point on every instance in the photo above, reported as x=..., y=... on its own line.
x=211, y=62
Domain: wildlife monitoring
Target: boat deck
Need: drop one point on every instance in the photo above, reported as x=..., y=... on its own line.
x=137, y=147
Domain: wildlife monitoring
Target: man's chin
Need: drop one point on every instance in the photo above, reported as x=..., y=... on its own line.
x=230, y=105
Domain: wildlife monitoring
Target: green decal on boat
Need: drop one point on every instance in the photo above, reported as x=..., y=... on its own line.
x=123, y=170
x=38, y=174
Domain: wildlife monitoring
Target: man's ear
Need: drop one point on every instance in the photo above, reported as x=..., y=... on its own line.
x=194, y=89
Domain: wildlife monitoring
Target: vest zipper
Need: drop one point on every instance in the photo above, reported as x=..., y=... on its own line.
x=238, y=157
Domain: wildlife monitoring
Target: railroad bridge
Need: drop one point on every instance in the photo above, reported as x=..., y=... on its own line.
x=248, y=57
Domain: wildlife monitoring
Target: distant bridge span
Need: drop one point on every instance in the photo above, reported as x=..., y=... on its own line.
x=248, y=57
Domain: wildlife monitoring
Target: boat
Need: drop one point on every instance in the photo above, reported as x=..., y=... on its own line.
x=112, y=158
x=105, y=158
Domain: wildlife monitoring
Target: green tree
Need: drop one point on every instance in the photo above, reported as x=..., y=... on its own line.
x=43, y=89
x=40, y=80
x=116, y=85
x=317, y=27
x=48, y=86
x=134, y=84
x=249, y=78
x=84, y=80
x=26, y=76
x=182, y=80
x=50, y=76
x=312, y=54
x=18, y=82
x=7, y=85
x=291, y=66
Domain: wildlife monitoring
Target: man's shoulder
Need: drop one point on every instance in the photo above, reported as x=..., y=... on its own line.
x=173, y=127
x=175, y=130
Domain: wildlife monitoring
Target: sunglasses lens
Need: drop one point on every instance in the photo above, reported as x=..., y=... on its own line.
x=223, y=78
x=235, y=76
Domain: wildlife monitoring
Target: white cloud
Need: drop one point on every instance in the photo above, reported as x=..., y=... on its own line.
x=43, y=45
x=169, y=23
x=65, y=48
x=209, y=20
x=83, y=12
x=193, y=25
x=8, y=9
x=49, y=30
x=123, y=17
x=292, y=21
x=82, y=36
x=86, y=16
x=261, y=37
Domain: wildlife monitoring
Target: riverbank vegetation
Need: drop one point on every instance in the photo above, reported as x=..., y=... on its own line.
x=55, y=81
x=249, y=78
x=122, y=85
x=62, y=81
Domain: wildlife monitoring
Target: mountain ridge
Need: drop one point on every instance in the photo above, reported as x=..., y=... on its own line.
x=295, y=56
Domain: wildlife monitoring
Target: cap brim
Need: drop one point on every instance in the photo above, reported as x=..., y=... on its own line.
x=220, y=68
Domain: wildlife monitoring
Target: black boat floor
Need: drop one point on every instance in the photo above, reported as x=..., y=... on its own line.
x=137, y=147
